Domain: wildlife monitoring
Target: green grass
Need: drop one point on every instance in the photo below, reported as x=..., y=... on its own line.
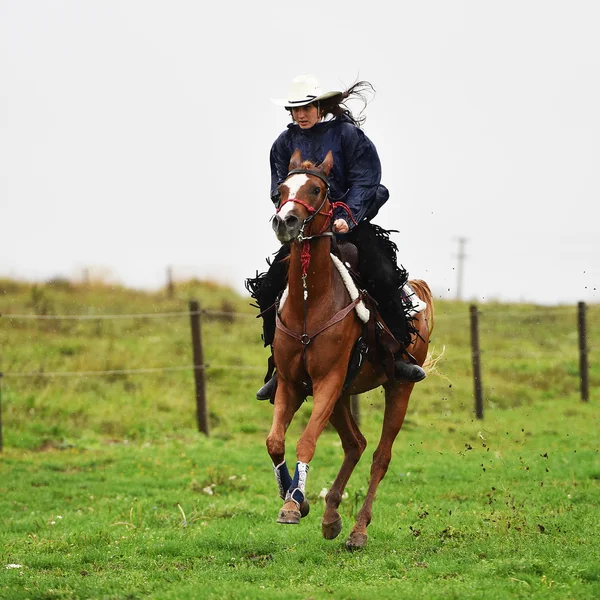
x=105, y=485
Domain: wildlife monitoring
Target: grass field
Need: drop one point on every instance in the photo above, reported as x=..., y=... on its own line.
x=108, y=491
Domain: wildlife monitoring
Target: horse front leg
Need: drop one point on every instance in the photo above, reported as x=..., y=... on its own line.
x=325, y=395
x=287, y=402
x=396, y=403
x=354, y=444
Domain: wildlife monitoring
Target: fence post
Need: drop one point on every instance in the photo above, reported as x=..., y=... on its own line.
x=170, y=284
x=583, y=352
x=475, y=353
x=355, y=408
x=1, y=443
x=201, y=409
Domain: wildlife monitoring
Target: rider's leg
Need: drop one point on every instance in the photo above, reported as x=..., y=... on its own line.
x=383, y=279
x=265, y=289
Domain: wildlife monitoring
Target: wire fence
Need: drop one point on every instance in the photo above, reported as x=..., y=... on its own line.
x=128, y=371
x=186, y=313
x=199, y=366
x=234, y=315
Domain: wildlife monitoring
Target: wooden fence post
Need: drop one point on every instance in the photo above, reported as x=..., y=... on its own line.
x=583, y=352
x=199, y=367
x=1, y=443
x=475, y=353
x=355, y=408
x=170, y=284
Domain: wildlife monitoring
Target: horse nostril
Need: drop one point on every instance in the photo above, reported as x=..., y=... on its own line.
x=291, y=220
x=275, y=222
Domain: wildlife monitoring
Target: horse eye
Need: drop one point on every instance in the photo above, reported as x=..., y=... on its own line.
x=316, y=191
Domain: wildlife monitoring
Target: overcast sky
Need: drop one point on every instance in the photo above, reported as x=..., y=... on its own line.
x=135, y=135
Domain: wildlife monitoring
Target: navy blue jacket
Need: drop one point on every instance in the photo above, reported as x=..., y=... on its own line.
x=356, y=174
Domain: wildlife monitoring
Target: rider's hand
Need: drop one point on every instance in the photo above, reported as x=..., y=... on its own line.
x=340, y=226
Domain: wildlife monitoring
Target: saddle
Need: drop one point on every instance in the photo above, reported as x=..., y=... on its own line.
x=377, y=343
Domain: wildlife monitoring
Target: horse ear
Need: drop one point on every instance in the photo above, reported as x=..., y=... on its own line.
x=327, y=164
x=296, y=160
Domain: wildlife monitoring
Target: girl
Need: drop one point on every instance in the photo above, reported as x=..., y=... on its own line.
x=322, y=122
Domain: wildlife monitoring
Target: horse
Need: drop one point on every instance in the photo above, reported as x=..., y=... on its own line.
x=317, y=329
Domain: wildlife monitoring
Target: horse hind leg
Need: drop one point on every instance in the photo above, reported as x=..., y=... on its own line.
x=396, y=403
x=354, y=444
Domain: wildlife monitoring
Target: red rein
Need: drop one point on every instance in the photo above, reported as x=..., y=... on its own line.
x=305, y=253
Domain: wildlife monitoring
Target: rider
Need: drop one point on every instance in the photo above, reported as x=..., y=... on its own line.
x=322, y=122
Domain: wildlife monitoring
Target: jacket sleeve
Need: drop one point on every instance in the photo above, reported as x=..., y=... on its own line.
x=363, y=175
x=280, y=160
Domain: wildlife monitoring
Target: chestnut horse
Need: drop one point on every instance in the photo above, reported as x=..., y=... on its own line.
x=313, y=342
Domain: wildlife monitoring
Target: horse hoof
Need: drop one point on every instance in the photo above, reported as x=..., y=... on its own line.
x=304, y=508
x=332, y=530
x=289, y=516
x=356, y=541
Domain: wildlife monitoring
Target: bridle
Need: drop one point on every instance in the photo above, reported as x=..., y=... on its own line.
x=313, y=212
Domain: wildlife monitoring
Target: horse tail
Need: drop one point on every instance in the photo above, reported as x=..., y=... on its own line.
x=423, y=292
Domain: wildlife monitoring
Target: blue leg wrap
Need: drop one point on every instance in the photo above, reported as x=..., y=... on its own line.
x=283, y=478
x=298, y=484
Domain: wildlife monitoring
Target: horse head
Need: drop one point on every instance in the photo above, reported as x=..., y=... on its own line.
x=304, y=196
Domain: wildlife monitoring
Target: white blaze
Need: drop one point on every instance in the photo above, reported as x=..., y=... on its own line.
x=293, y=184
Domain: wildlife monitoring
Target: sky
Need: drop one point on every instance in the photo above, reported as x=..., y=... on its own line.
x=135, y=135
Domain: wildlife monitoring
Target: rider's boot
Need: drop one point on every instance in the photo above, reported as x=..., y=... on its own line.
x=397, y=322
x=406, y=370
x=266, y=391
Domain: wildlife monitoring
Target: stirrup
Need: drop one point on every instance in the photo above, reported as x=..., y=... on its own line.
x=266, y=391
x=408, y=371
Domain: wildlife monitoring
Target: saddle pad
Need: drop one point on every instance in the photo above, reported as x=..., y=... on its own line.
x=361, y=310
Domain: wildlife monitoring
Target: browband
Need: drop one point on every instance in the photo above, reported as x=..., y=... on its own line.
x=310, y=172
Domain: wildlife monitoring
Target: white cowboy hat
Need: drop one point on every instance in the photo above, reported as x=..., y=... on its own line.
x=304, y=89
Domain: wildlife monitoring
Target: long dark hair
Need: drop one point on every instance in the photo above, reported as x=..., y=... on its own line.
x=336, y=106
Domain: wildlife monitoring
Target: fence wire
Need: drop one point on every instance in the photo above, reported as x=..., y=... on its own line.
x=187, y=313
x=127, y=371
x=207, y=312
x=228, y=314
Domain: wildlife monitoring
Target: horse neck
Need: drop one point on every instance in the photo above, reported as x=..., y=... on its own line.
x=318, y=277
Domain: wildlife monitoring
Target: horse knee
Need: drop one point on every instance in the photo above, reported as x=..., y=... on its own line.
x=305, y=449
x=276, y=448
